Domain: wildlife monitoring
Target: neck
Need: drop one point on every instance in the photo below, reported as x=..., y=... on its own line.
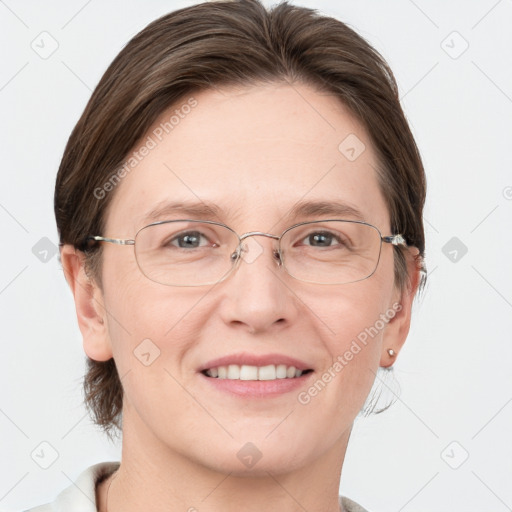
x=153, y=476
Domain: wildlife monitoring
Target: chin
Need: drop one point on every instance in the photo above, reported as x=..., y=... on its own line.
x=256, y=453
x=278, y=462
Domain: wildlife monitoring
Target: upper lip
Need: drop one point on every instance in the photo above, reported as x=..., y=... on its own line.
x=244, y=358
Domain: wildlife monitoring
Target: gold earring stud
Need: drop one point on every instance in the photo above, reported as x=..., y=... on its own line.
x=391, y=352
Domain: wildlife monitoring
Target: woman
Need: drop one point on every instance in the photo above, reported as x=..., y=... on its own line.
x=240, y=215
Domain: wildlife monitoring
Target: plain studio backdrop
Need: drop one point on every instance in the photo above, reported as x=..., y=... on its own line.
x=445, y=444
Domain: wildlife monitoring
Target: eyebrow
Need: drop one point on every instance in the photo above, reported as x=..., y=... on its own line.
x=210, y=211
x=198, y=210
x=332, y=208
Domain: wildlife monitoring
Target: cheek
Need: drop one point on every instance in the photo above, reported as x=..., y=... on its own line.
x=353, y=309
x=353, y=322
x=358, y=330
x=138, y=307
x=150, y=314
x=154, y=330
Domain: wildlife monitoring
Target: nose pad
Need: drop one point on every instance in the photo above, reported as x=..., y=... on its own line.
x=277, y=256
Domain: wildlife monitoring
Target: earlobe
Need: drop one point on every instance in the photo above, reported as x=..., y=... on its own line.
x=397, y=329
x=89, y=305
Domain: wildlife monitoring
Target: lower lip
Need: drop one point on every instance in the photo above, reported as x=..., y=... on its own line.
x=258, y=388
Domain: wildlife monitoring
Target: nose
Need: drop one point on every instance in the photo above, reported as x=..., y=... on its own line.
x=258, y=296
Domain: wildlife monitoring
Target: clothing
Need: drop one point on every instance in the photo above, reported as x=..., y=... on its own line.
x=81, y=495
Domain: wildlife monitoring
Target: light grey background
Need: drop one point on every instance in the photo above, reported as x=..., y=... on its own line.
x=455, y=369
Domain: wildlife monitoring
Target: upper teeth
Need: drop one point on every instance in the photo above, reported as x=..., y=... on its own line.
x=246, y=372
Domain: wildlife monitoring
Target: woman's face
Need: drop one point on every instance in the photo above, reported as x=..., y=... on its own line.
x=254, y=153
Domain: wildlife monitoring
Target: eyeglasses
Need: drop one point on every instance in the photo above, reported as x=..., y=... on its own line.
x=201, y=252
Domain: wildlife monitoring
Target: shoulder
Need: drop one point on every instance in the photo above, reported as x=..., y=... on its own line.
x=347, y=505
x=80, y=496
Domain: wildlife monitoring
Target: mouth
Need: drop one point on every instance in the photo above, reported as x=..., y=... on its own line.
x=255, y=373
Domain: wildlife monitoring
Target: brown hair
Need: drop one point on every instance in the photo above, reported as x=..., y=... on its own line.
x=228, y=43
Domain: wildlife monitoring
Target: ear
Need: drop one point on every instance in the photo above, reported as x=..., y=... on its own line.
x=397, y=329
x=89, y=304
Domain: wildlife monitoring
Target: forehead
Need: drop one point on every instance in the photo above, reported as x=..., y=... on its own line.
x=247, y=157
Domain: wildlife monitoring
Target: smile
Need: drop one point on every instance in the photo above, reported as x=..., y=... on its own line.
x=248, y=372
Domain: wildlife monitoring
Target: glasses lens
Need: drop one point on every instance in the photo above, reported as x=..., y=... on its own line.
x=331, y=252
x=185, y=253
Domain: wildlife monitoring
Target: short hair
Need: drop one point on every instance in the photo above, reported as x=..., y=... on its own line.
x=207, y=46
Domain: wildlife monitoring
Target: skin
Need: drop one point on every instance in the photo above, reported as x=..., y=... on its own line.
x=254, y=151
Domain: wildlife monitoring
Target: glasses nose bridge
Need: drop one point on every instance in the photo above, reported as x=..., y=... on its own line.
x=275, y=252
x=258, y=233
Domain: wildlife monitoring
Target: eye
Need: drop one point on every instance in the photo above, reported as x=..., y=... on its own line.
x=187, y=240
x=323, y=239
